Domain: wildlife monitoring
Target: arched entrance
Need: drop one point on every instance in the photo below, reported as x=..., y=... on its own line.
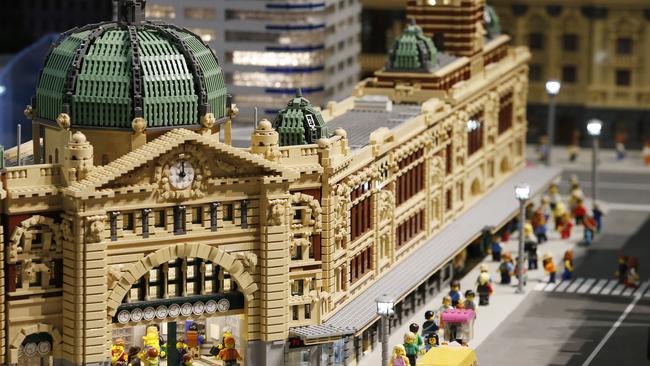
x=504, y=166
x=196, y=285
x=476, y=187
x=37, y=345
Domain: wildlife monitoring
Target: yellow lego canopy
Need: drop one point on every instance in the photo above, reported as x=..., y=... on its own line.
x=448, y=356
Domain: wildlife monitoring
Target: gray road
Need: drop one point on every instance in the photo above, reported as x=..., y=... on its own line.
x=565, y=328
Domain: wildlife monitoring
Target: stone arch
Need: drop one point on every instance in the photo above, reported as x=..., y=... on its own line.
x=24, y=332
x=135, y=271
x=504, y=165
x=22, y=232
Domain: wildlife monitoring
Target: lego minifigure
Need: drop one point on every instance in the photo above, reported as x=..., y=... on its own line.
x=646, y=152
x=558, y=213
x=598, y=216
x=621, y=273
x=633, y=279
x=399, y=357
x=484, y=289
x=542, y=149
x=530, y=247
x=411, y=346
x=429, y=326
x=152, y=357
x=572, y=148
x=545, y=208
x=193, y=339
x=134, y=356
x=415, y=329
x=229, y=354
x=496, y=248
x=620, y=146
x=118, y=355
x=554, y=196
x=454, y=293
x=187, y=360
x=566, y=226
x=181, y=348
x=590, y=226
x=549, y=267
x=446, y=304
x=505, y=268
x=151, y=340
x=432, y=340
x=579, y=211
x=469, y=302
x=575, y=189
x=483, y=269
x=516, y=271
x=538, y=226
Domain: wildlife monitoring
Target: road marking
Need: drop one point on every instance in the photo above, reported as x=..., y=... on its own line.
x=574, y=286
x=562, y=286
x=586, y=285
x=618, y=290
x=627, y=207
x=550, y=287
x=540, y=286
x=612, y=330
x=644, y=286
x=599, y=286
x=609, y=287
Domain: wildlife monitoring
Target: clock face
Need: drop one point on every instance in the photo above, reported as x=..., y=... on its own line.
x=181, y=174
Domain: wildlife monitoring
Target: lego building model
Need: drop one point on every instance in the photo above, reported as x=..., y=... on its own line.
x=598, y=50
x=137, y=215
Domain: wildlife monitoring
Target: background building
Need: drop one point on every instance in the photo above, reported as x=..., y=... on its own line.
x=382, y=21
x=270, y=49
x=599, y=49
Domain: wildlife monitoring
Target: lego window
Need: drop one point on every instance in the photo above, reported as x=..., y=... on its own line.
x=535, y=72
x=296, y=252
x=307, y=311
x=200, y=13
x=505, y=112
x=157, y=11
x=228, y=212
x=197, y=215
x=569, y=74
x=570, y=42
x=623, y=77
x=294, y=312
x=128, y=222
x=624, y=46
x=159, y=218
x=298, y=287
x=536, y=41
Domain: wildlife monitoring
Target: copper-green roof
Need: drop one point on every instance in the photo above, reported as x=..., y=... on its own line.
x=106, y=75
x=412, y=51
x=300, y=123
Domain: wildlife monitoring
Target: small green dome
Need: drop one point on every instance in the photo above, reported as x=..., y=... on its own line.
x=413, y=51
x=492, y=22
x=107, y=74
x=299, y=123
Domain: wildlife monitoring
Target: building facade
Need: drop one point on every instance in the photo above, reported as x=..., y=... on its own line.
x=137, y=210
x=270, y=49
x=599, y=50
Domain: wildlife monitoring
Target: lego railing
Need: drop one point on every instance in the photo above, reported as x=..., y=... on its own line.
x=33, y=175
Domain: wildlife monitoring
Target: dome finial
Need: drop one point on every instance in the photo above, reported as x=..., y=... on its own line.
x=130, y=11
x=299, y=93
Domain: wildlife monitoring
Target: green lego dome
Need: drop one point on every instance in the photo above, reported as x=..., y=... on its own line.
x=413, y=51
x=105, y=75
x=299, y=123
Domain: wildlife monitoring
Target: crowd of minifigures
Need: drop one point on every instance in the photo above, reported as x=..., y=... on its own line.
x=154, y=349
x=553, y=209
x=573, y=149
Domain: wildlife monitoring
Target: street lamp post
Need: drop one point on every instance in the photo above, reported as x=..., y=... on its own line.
x=385, y=308
x=594, y=127
x=522, y=193
x=552, y=89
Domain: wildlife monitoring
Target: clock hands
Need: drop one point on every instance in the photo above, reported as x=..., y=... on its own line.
x=182, y=173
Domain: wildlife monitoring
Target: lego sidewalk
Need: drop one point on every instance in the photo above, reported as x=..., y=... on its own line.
x=633, y=162
x=504, y=300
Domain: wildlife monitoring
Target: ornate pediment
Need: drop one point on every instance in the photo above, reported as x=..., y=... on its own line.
x=179, y=165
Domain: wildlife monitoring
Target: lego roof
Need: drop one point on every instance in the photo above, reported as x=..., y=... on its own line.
x=492, y=210
x=360, y=123
x=102, y=175
x=105, y=75
x=412, y=51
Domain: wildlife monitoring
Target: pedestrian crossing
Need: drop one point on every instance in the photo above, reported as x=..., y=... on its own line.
x=594, y=286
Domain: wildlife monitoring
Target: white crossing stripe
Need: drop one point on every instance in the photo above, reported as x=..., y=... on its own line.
x=643, y=288
x=586, y=285
x=628, y=291
x=609, y=287
x=574, y=286
x=562, y=286
x=550, y=287
x=599, y=286
x=618, y=290
x=540, y=286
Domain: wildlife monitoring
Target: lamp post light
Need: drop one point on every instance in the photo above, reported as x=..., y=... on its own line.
x=552, y=89
x=522, y=193
x=385, y=308
x=594, y=127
